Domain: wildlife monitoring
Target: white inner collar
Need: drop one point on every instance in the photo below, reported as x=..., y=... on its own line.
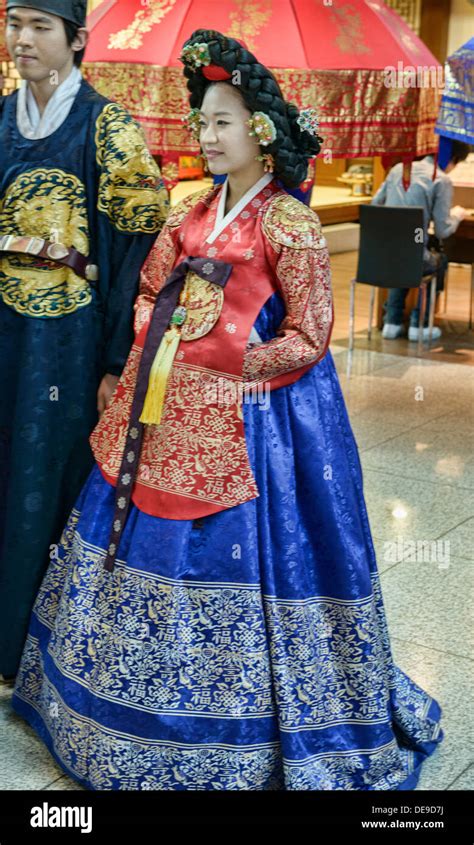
x=31, y=123
x=223, y=220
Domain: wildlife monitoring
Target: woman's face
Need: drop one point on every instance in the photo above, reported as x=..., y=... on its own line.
x=224, y=136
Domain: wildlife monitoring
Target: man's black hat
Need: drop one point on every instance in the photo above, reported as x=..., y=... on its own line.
x=71, y=10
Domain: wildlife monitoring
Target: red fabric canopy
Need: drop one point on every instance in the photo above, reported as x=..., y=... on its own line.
x=356, y=34
x=331, y=57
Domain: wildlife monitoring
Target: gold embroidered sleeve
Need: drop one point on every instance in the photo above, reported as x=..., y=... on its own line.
x=162, y=257
x=131, y=191
x=297, y=252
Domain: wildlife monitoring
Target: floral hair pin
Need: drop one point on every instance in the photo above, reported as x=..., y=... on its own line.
x=307, y=120
x=195, y=55
x=192, y=121
x=262, y=127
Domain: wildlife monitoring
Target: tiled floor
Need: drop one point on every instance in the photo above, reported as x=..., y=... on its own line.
x=414, y=423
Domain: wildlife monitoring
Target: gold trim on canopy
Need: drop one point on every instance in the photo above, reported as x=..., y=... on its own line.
x=4, y=57
x=359, y=115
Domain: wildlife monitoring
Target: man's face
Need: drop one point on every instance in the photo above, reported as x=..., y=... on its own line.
x=37, y=43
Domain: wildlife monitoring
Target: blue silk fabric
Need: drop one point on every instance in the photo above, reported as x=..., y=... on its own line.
x=456, y=111
x=247, y=650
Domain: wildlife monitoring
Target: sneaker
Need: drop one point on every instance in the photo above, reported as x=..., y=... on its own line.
x=414, y=333
x=391, y=330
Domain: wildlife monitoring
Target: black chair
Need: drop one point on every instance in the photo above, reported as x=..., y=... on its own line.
x=391, y=256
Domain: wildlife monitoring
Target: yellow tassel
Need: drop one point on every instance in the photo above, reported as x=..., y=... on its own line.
x=159, y=374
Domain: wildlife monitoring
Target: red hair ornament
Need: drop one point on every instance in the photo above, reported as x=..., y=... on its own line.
x=215, y=73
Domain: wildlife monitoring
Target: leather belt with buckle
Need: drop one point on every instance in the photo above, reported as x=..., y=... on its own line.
x=61, y=254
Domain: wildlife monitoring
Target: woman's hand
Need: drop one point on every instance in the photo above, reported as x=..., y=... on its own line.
x=105, y=391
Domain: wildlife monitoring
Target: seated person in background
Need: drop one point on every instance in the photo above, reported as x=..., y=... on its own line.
x=435, y=197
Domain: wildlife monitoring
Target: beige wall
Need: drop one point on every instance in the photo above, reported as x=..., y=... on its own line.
x=461, y=24
x=91, y=4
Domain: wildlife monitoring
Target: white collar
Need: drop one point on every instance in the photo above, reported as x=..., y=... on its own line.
x=34, y=125
x=223, y=220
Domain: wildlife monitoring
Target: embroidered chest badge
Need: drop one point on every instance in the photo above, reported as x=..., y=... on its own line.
x=204, y=303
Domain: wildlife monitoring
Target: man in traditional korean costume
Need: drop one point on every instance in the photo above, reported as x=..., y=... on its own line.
x=81, y=203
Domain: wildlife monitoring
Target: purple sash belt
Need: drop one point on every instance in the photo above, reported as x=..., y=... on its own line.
x=214, y=271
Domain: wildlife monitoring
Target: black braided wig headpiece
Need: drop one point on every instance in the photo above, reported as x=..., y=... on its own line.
x=292, y=147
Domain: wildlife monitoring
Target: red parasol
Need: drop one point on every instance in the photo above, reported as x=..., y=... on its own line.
x=359, y=34
x=332, y=57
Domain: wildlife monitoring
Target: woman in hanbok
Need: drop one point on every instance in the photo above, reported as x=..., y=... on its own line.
x=213, y=619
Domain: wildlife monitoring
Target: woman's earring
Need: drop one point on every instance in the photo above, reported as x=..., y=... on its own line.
x=268, y=162
x=193, y=123
x=204, y=162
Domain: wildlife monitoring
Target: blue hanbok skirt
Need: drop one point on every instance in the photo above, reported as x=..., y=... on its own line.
x=248, y=650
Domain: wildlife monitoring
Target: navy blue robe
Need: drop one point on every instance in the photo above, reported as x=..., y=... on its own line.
x=91, y=184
